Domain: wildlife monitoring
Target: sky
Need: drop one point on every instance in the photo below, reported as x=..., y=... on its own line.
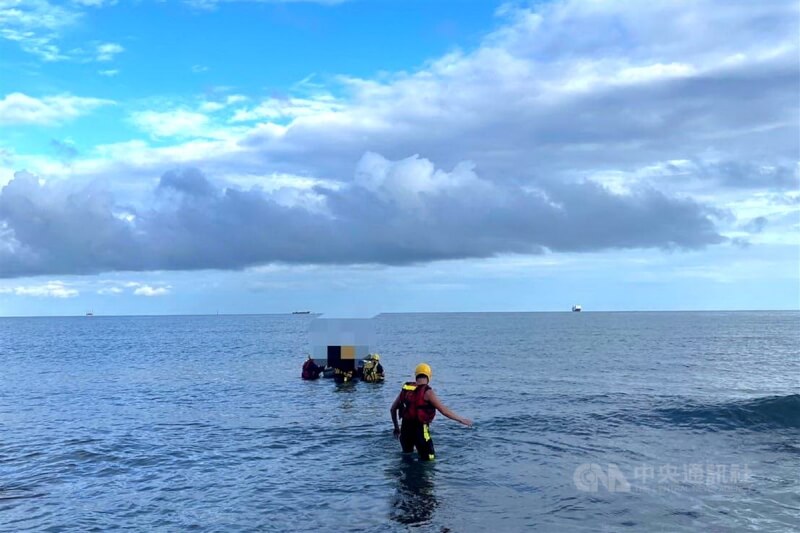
x=354, y=157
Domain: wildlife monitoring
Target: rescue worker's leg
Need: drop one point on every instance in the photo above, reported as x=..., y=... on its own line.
x=408, y=436
x=425, y=444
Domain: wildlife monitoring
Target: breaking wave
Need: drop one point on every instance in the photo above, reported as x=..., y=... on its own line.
x=773, y=412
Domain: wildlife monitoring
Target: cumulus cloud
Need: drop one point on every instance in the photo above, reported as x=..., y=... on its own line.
x=51, y=289
x=147, y=290
x=136, y=288
x=19, y=108
x=192, y=223
x=568, y=88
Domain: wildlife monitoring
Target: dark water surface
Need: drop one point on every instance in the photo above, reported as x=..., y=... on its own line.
x=590, y=421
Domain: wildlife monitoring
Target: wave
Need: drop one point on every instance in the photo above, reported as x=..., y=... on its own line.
x=768, y=413
x=18, y=493
x=773, y=412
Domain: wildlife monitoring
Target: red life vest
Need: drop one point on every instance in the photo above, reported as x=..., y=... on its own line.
x=413, y=403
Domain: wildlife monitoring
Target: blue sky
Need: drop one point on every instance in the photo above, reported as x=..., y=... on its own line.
x=360, y=156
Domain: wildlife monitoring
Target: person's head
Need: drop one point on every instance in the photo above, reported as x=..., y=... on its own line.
x=423, y=373
x=376, y=357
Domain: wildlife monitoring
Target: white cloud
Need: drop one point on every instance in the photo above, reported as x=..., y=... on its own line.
x=109, y=290
x=137, y=288
x=218, y=105
x=147, y=290
x=41, y=46
x=179, y=123
x=139, y=159
x=51, y=289
x=107, y=51
x=94, y=3
x=108, y=73
x=280, y=108
x=35, y=26
x=31, y=14
x=211, y=4
x=407, y=181
x=19, y=108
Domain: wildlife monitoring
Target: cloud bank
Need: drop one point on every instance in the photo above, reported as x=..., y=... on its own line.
x=393, y=212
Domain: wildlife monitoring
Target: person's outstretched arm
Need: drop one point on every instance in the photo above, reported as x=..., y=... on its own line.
x=442, y=408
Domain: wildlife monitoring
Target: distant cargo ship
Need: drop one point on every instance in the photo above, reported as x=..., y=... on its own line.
x=577, y=309
x=301, y=312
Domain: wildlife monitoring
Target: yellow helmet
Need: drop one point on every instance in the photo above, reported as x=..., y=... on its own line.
x=424, y=369
x=376, y=357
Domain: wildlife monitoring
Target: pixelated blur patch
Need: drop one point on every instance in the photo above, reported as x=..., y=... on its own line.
x=352, y=337
x=334, y=353
x=341, y=342
x=335, y=359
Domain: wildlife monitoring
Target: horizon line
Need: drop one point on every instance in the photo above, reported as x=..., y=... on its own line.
x=321, y=314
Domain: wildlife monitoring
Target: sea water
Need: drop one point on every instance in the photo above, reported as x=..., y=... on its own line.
x=583, y=422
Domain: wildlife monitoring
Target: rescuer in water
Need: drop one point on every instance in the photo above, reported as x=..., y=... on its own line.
x=418, y=404
x=311, y=370
x=373, y=370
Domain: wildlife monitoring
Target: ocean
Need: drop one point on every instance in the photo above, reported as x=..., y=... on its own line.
x=664, y=421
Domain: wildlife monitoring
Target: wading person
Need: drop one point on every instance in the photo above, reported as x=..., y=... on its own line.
x=373, y=370
x=418, y=404
x=310, y=369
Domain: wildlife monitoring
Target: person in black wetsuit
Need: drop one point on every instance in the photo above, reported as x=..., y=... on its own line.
x=417, y=404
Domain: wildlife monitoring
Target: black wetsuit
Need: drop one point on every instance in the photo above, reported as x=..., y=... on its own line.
x=416, y=434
